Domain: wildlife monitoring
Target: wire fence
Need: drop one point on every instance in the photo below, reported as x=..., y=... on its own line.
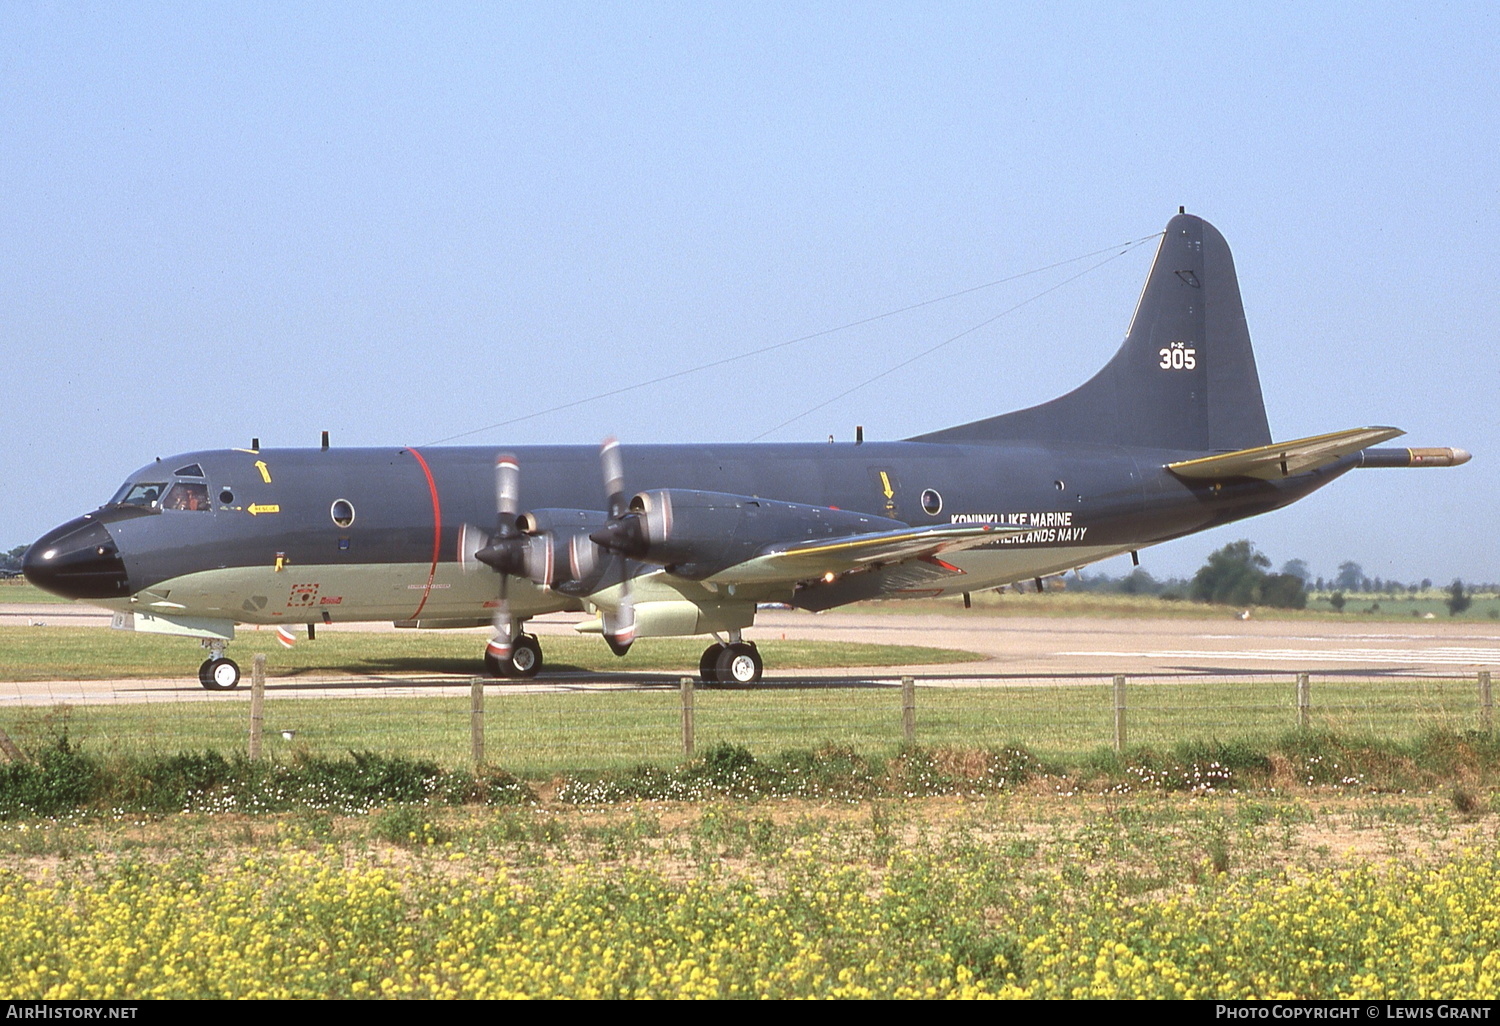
x=542, y=728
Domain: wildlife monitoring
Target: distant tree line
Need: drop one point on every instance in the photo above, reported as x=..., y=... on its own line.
x=1238, y=574
x=1137, y=582
x=1351, y=580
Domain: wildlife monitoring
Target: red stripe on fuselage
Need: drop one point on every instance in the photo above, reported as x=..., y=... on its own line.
x=437, y=528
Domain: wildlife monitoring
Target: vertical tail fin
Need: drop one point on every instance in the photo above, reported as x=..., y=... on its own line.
x=1184, y=378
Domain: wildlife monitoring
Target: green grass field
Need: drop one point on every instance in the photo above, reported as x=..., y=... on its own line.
x=17, y=589
x=537, y=735
x=89, y=653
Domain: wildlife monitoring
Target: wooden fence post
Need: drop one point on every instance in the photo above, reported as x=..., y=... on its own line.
x=1304, y=701
x=1119, y=712
x=687, y=716
x=12, y=753
x=257, y=703
x=1486, y=703
x=476, y=723
x=909, y=709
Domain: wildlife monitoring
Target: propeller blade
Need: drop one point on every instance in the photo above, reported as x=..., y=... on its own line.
x=502, y=644
x=625, y=617
x=619, y=626
x=507, y=490
x=503, y=552
x=623, y=533
x=614, y=476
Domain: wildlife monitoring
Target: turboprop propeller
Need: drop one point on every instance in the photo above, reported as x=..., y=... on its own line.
x=505, y=553
x=620, y=536
x=525, y=545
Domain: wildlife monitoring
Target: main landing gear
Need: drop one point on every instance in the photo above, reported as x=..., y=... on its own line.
x=525, y=659
x=738, y=662
x=218, y=672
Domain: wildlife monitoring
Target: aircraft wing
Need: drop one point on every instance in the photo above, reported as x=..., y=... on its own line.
x=1284, y=459
x=810, y=560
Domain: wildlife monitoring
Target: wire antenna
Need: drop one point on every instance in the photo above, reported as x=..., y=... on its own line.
x=947, y=341
x=571, y=404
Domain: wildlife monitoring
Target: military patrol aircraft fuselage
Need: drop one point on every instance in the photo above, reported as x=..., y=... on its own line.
x=1168, y=439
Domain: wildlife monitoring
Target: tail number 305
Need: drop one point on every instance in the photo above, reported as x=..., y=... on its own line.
x=1178, y=356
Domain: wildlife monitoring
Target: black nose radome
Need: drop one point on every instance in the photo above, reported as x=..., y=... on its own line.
x=78, y=560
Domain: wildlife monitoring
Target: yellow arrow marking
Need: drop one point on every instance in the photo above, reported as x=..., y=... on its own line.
x=886, y=483
x=265, y=475
x=256, y=510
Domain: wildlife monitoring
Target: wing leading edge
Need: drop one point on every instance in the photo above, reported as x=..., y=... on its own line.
x=811, y=560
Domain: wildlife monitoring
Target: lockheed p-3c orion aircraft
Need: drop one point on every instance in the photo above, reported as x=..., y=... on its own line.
x=1169, y=438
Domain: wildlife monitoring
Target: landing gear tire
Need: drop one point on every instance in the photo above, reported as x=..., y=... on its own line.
x=708, y=666
x=738, y=664
x=525, y=659
x=219, y=674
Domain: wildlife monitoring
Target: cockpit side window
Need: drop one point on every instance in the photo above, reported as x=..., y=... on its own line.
x=145, y=493
x=187, y=496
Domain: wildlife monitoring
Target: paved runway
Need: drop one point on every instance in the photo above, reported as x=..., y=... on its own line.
x=1054, y=648
x=1215, y=644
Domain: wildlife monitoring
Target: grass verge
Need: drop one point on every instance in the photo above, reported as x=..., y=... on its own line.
x=538, y=734
x=90, y=653
x=63, y=777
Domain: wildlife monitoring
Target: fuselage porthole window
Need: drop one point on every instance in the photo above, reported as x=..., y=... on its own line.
x=342, y=512
x=226, y=496
x=932, y=502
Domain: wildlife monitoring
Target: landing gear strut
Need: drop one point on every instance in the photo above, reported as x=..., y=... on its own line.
x=525, y=659
x=218, y=673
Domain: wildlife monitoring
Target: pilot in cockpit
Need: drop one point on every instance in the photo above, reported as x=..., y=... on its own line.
x=184, y=496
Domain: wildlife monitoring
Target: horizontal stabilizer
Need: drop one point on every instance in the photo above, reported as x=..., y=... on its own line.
x=1284, y=459
x=808, y=560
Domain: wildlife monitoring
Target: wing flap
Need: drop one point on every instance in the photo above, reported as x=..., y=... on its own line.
x=1284, y=459
x=805, y=561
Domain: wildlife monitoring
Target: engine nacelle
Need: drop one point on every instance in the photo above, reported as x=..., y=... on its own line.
x=697, y=534
x=559, y=553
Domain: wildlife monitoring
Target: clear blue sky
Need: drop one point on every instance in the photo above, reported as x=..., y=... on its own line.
x=400, y=223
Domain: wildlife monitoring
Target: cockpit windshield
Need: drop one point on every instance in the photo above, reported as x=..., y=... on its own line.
x=153, y=489
x=144, y=493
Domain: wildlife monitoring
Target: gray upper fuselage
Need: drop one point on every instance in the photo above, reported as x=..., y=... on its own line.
x=1124, y=496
